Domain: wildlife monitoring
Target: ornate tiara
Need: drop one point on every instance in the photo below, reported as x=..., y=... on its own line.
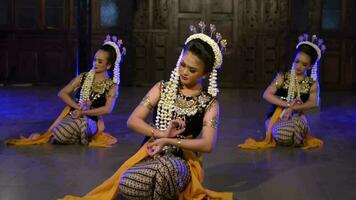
x=314, y=41
x=116, y=44
x=213, y=38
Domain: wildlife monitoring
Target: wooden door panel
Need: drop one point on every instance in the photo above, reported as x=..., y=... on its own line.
x=183, y=29
x=190, y=6
x=51, y=64
x=25, y=67
x=260, y=33
x=221, y=6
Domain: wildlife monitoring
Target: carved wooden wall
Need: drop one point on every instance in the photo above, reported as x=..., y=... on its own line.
x=338, y=63
x=37, y=37
x=36, y=41
x=264, y=28
x=261, y=34
x=151, y=41
x=221, y=13
x=250, y=26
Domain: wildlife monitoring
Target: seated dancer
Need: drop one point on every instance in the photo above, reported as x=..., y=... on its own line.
x=185, y=116
x=96, y=94
x=291, y=94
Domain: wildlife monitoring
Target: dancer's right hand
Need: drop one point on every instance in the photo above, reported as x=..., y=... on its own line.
x=85, y=106
x=76, y=114
x=287, y=113
x=175, y=128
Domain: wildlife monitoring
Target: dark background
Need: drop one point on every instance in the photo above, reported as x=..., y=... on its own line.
x=42, y=43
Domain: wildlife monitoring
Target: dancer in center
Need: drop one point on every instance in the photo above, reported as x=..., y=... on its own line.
x=186, y=116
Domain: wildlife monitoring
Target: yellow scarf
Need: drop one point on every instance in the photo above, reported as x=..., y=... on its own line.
x=100, y=139
x=108, y=190
x=309, y=141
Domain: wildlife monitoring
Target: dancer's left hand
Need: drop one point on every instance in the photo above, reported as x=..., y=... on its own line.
x=287, y=114
x=76, y=113
x=85, y=105
x=155, y=147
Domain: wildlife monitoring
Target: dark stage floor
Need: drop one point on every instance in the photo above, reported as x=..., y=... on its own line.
x=49, y=171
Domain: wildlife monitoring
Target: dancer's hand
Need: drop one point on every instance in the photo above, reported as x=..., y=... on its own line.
x=85, y=105
x=295, y=104
x=76, y=114
x=287, y=113
x=175, y=128
x=155, y=147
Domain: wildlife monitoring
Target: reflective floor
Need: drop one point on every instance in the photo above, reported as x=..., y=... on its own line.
x=51, y=171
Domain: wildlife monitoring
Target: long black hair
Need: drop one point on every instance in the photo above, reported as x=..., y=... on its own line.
x=309, y=50
x=203, y=51
x=112, y=54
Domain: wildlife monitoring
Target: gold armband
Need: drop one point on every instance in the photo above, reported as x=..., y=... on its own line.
x=146, y=102
x=213, y=123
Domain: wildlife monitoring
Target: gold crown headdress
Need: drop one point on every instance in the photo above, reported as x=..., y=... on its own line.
x=318, y=45
x=116, y=44
x=218, y=45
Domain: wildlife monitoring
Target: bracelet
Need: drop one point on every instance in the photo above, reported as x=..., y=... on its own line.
x=179, y=142
x=153, y=133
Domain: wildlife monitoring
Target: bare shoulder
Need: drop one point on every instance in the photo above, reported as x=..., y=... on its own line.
x=278, y=79
x=315, y=86
x=213, y=105
x=156, y=87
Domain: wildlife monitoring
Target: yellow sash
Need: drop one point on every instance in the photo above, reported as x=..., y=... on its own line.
x=268, y=142
x=194, y=190
x=100, y=139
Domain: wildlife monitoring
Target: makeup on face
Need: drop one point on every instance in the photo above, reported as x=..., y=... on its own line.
x=100, y=61
x=301, y=62
x=191, y=69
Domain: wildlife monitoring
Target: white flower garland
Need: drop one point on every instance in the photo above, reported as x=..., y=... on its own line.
x=166, y=103
x=89, y=79
x=169, y=94
x=318, y=46
x=218, y=59
x=116, y=70
x=293, y=86
x=213, y=84
x=86, y=88
x=293, y=82
x=314, y=72
x=317, y=49
x=217, y=53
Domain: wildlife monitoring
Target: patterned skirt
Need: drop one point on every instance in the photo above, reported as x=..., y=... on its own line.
x=73, y=130
x=155, y=178
x=290, y=132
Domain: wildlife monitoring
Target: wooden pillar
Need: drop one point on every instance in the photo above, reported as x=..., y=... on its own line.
x=83, y=61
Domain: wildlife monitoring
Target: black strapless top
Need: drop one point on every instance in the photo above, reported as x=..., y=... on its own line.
x=282, y=91
x=98, y=92
x=191, y=109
